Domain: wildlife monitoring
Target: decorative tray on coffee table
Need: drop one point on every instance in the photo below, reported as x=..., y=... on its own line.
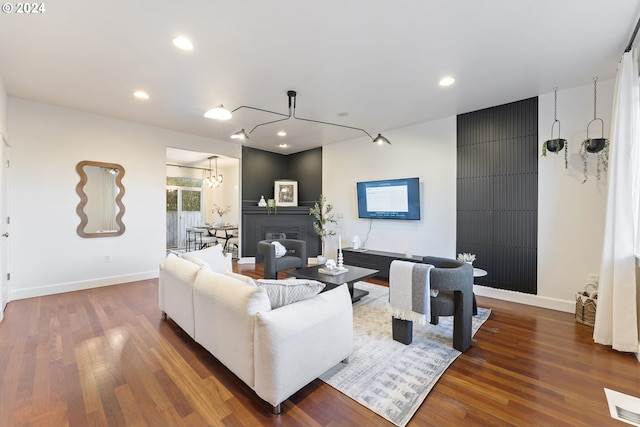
x=333, y=272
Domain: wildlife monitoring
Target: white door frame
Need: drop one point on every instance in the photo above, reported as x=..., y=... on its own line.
x=5, y=246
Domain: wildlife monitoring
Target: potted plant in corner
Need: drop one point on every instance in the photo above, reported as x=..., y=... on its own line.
x=323, y=212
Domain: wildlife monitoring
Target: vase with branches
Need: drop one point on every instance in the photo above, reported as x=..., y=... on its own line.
x=221, y=213
x=323, y=212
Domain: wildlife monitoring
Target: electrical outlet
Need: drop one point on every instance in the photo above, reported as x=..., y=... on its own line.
x=594, y=279
x=107, y=258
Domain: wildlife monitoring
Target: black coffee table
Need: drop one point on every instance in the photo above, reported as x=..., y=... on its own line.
x=354, y=274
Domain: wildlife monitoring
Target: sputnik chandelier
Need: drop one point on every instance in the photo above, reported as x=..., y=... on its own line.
x=221, y=113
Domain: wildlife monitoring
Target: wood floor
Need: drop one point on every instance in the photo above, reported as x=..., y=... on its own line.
x=104, y=357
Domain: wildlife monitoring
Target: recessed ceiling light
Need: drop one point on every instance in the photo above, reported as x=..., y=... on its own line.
x=183, y=43
x=343, y=114
x=447, y=81
x=140, y=94
x=282, y=133
x=283, y=145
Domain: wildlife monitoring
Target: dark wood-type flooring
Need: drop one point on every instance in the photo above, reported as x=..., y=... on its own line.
x=104, y=357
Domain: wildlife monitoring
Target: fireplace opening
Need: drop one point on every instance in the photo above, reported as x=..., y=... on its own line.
x=275, y=235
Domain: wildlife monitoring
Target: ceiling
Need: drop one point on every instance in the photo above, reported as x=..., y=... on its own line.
x=370, y=64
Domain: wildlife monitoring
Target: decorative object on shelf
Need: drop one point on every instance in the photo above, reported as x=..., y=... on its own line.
x=271, y=207
x=323, y=212
x=340, y=257
x=286, y=193
x=262, y=203
x=221, y=213
x=221, y=113
x=597, y=146
x=556, y=145
x=213, y=180
x=356, y=242
x=466, y=257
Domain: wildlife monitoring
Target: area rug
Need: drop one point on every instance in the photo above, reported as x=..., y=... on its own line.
x=390, y=378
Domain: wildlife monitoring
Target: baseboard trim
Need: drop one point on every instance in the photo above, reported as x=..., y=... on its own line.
x=528, y=299
x=59, y=288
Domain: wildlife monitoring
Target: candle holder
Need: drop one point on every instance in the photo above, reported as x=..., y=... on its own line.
x=340, y=259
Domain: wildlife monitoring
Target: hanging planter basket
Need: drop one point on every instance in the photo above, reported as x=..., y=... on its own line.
x=555, y=145
x=596, y=146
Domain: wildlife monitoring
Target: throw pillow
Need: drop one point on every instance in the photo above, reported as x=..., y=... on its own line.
x=288, y=291
x=212, y=257
x=280, y=249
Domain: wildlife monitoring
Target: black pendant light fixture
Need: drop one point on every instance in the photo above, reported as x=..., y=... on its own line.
x=213, y=180
x=292, y=94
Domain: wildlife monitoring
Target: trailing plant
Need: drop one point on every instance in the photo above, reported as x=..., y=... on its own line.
x=564, y=147
x=602, y=159
x=323, y=212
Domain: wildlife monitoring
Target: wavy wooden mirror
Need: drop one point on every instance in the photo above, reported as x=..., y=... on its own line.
x=100, y=190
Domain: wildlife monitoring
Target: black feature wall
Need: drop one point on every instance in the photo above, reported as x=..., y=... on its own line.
x=497, y=193
x=260, y=169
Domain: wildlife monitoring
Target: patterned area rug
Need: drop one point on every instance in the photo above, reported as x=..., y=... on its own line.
x=390, y=378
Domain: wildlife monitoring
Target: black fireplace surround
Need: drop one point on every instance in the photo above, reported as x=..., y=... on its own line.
x=260, y=169
x=292, y=222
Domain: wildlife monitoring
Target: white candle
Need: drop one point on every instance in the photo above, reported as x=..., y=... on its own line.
x=340, y=243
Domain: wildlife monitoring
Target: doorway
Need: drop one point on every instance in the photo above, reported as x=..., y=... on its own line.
x=191, y=202
x=184, y=210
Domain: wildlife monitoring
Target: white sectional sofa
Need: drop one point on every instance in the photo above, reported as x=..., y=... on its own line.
x=276, y=352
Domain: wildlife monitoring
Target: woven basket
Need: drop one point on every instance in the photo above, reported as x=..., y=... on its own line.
x=586, y=304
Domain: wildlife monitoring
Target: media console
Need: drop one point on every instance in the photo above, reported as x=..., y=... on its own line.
x=377, y=260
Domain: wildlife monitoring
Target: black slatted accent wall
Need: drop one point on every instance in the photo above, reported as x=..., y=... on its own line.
x=497, y=193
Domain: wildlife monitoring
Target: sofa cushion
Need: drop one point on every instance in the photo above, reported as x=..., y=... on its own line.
x=211, y=258
x=225, y=310
x=288, y=291
x=246, y=279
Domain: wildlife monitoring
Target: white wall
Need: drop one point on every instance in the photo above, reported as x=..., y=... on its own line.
x=3, y=108
x=427, y=151
x=571, y=214
x=47, y=256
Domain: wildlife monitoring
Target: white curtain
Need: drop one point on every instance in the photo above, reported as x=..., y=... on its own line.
x=617, y=312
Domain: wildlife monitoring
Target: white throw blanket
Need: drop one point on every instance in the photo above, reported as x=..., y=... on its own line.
x=410, y=292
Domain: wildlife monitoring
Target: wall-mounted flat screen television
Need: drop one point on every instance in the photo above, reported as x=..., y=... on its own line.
x=389, y=199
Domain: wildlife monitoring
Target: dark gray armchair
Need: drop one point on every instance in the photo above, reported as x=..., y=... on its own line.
x=454, y=281
x=296, y=256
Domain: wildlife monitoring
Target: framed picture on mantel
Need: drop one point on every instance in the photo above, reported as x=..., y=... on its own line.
x=286, y=193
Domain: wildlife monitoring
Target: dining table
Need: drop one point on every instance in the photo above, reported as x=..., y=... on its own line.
x=225, y=232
